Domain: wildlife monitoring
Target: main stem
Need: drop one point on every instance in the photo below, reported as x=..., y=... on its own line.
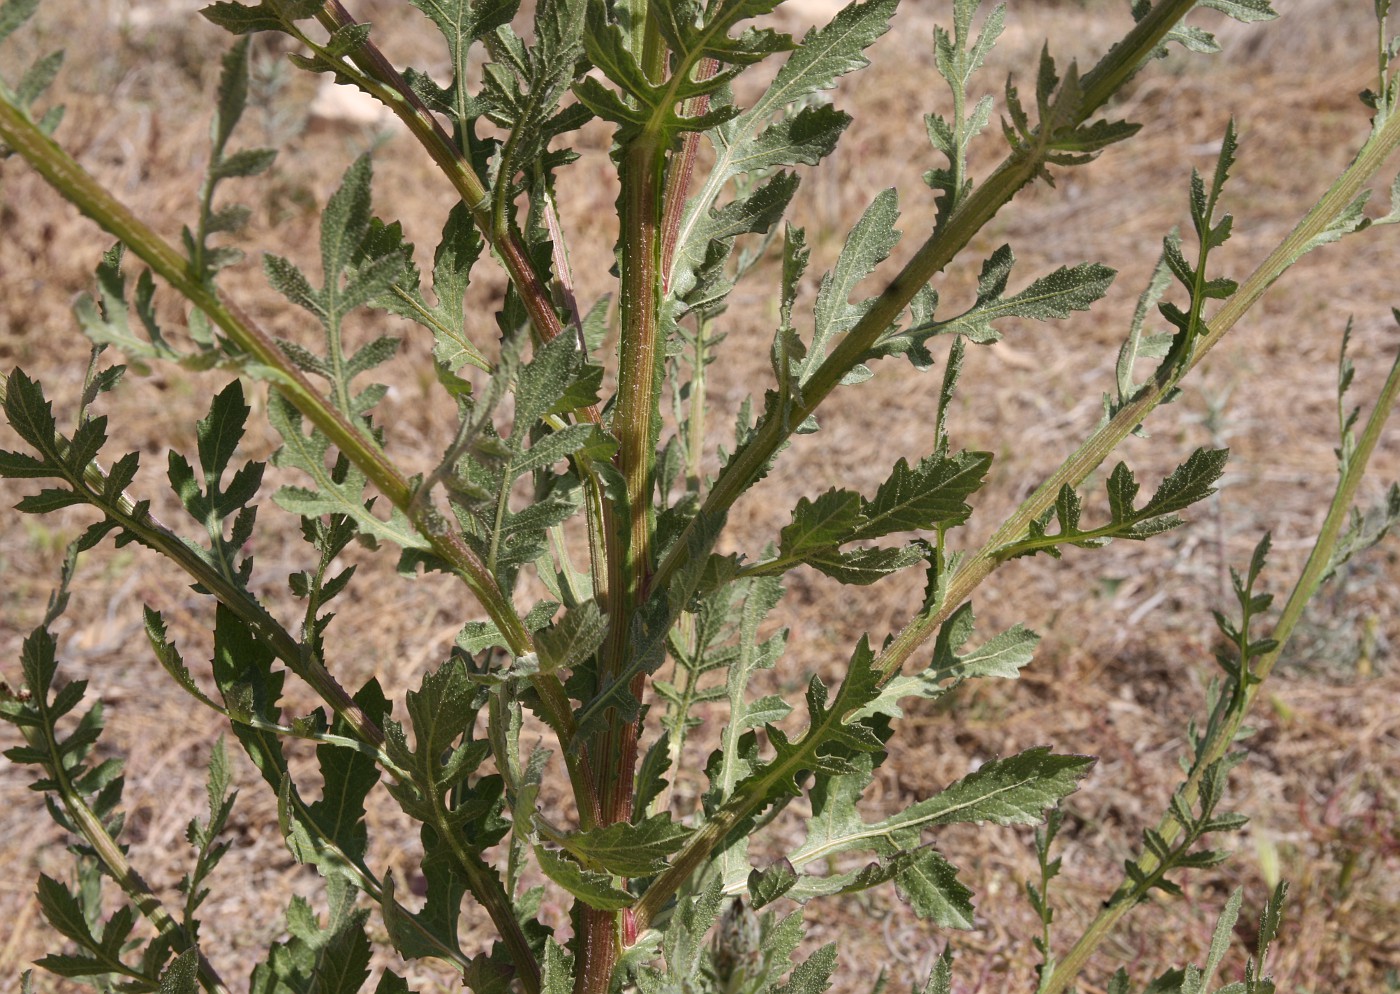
x=634, y=425
x=631, y=563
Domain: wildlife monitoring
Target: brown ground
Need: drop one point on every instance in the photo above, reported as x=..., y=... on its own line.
x=1127, y=631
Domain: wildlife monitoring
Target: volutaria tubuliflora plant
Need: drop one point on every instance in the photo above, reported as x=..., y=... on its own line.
x=578, y=467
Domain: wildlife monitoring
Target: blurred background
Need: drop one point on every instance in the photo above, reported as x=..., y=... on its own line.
x=1128, y=637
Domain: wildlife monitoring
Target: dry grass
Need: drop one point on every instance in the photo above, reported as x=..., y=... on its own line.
x=1127, y=632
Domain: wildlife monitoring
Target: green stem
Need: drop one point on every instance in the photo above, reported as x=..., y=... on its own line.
x=613, y=750
x=635, y=426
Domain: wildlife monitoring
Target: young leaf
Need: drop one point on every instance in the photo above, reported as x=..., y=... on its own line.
x=1057, y=295
x=754, y=142
x=337, y=490
x=1002, y=656
x=36, y=79
x=812, y=975
x=361, y=260
x=956, y=62
x=868, y=244
x=1191, y=482
x=457, y=251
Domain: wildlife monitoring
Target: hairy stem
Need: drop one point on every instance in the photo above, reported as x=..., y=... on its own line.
x=679, y=174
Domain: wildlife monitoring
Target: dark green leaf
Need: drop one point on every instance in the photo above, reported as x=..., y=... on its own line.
x=868, y=244
x=826, y=522
x=863, y=566
x=573, y=639
x=772, y=883
x=1192, y=481
x=931, y=887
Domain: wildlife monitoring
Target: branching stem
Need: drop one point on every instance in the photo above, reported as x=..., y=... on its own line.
x=1075, y=469
x=81, y=189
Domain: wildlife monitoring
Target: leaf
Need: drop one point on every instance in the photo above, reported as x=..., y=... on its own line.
x=62, y=911
x=698, y=271
x=170, y=659
x=1191, y=482
x=812, y=975
x=825, y=523
x=1012, y=791
x=863, y=566
x=348, y=777
x=182, y=975
x=593, y=889
x=930, y=885
x=1246, y=11
x=557, y=970
x=333, y=493
x=569, y=642
x=931, y=494
x=441, y=711
x=868, y=244
x=628, y=850
x=464, y=21
x=1138, y=345
x=824, y=55
x=772, y=883
x=241, y=19
x=754, y=141
x=361, y=261
x=13, y=14
x=1057, y=295
x=458, y=249
x=825, y=747
x=1003, y=656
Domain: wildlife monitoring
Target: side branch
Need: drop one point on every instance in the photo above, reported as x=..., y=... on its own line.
x=62, y=172
x=1018, y=169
